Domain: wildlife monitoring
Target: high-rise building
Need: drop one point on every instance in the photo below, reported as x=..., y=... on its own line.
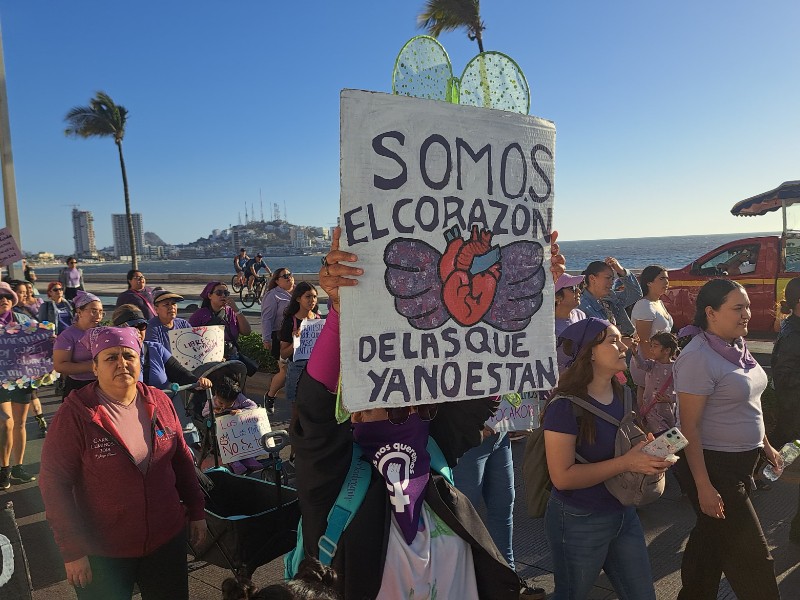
x=83, y=233
x=122, y=242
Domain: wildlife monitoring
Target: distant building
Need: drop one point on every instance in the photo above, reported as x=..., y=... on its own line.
x=83, y=233
x=122, y=242
x=237, y=238
x=299, y=238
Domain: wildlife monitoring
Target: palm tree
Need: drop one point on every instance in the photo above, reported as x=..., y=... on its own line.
x=448, y=15
x=104, y=118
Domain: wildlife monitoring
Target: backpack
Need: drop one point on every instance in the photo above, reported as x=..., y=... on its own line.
x=631, y=489
x=350, y=497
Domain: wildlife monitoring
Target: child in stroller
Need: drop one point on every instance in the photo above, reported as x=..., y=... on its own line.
x=228, y=399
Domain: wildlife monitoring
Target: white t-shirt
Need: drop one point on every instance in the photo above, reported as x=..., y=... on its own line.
x=653, y=311
x=436, y=566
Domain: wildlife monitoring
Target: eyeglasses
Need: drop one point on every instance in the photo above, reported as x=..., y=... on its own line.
x=221, y=293
x=72, y=262
x=56, y=289
x=141, y=326
x=399, y=415
x=139, y=278
x=286, y=276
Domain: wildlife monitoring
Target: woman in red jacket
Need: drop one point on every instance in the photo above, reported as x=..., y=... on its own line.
x=118, y=481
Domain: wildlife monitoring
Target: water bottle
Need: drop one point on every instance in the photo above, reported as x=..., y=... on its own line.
x=789, y=452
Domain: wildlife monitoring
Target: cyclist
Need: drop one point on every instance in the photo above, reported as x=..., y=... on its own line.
x=239, y=263
x=253, y=266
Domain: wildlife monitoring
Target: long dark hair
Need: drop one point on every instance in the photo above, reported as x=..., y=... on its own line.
x=273, y=281
x=294, y=304
x=649, y=275
x=575, y=380
x=713, y=295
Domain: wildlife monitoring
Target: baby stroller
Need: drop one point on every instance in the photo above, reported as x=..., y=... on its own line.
x=272, y=466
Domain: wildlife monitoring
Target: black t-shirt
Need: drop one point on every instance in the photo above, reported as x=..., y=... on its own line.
x=256, y=265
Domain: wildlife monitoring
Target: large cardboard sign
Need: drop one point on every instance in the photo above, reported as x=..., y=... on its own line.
x=9, y=250
x=196, y=346
x=449, y=209
x=239, y=435
x=304, y=343
x=26, y=355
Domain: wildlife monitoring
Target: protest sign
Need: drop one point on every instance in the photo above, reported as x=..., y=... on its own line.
x=449, y=209
x=239, y=435
x=304, y=343
x=517, y=412
x=9, y=250
x=26, y=355
x=196, y=346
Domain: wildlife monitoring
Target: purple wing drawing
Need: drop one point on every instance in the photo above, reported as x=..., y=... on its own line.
x=412, y=277
x=519, y=291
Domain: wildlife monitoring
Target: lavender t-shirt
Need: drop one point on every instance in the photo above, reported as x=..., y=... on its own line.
x=70, y=340
x=732, y=420
x=560, y=417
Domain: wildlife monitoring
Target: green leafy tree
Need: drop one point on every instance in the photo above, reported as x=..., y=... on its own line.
x=448, y=15
x=104, y=118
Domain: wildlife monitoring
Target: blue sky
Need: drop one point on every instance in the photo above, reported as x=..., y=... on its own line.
x=667, y=113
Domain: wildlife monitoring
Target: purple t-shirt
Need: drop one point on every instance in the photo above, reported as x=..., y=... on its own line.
x=69, y=340
x=560, y=417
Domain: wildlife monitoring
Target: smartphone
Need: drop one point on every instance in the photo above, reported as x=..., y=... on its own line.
x=669, y=442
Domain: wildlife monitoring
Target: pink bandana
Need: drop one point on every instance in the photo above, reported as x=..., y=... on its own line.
x=98, y=339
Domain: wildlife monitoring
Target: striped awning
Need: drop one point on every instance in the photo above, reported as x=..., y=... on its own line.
x=788, y=192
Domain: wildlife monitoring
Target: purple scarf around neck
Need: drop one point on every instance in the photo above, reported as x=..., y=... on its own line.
x=400, y=455
x=736, y=353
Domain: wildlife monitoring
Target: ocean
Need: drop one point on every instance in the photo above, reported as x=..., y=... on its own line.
x=633, y=253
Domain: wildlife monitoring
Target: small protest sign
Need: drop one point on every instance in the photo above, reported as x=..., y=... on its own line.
x=9, y=250
x=239, y=435
x=26, y=355
x=517, y=412
x=304, y=343
x=449, y=209
x=196, y=346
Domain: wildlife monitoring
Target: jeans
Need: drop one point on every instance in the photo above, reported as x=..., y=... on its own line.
x=293, y=371
x=734, y=545
x=162, y=575
x=487, y=471
x=582, y=543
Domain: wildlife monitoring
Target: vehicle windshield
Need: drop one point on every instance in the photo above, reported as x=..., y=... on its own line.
x=737, y=260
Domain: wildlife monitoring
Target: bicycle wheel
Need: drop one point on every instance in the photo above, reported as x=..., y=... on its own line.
x=248, y=297
x=235, y=285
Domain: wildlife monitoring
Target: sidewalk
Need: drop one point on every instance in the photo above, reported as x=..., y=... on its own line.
x=667, y=523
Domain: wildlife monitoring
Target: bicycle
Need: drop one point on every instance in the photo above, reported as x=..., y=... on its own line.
x=237, y=282
x=248, y=296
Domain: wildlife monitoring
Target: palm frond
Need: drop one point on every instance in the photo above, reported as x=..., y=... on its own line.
x=102, y=118
x=448, y=15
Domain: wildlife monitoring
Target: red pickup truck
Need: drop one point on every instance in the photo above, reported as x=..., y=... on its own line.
x=763, y=265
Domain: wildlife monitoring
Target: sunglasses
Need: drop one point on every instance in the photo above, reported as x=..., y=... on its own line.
x=139, y=278
x=57, y=289
x=399, y=415
x=221, y=293
x=286, y=276
x=6, y=297
x=141, y=326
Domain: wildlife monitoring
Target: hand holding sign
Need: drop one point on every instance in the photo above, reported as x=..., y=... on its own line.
x=333, y=274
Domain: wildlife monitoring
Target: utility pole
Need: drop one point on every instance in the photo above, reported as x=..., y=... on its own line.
x=7, y=165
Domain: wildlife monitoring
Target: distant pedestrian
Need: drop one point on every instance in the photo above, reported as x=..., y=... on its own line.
x=273, y=305
x=719, y=386
x=239, y=264
x=71, y=278
x=253, y=266
x=56, y=309
x=70, y=357
x=599, y=298
x=166, y=318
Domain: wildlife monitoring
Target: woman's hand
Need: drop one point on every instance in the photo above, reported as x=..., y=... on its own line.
x=334, y=274
x=772, y=455
x=197, y=532
x=79, y=572
x=558, y=264
x=711, y=502
x=204, y=383
x=640, y=462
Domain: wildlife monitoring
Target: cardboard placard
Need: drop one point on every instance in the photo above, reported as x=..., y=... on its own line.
x=26, y=355
x=196, y=346
x=304, y=343
x=449, y=209
x=9, y=250
x=239, y=435
x=517, y=412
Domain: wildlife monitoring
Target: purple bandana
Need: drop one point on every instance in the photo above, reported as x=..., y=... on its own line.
x=400, y=455
x=736, y=353
x=98, y=339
